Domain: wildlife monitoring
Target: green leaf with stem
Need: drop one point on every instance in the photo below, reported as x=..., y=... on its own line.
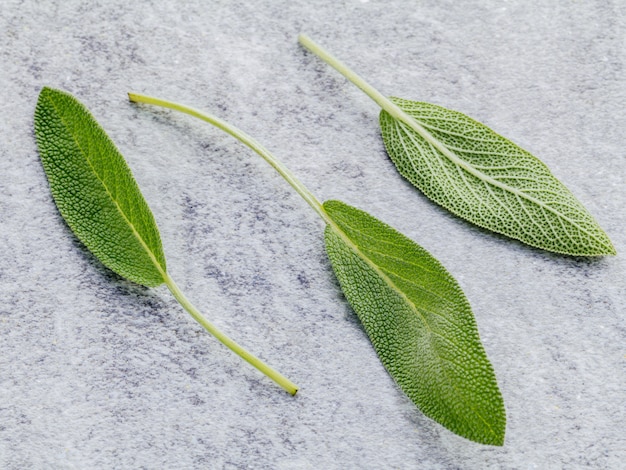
x=99, y=199
x=479, y=175
x=414, y=312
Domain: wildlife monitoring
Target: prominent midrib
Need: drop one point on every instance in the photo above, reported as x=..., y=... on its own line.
x=136, y=234
x=354, y=247
x=415, y=126
x=399, y=114
x=412, y=305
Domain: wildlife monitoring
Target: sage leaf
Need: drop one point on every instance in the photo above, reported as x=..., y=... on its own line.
x=419, y=322
x=479, y=175
x=414, y=312
x=95, y=190
x=100, y=200
x=482, y=177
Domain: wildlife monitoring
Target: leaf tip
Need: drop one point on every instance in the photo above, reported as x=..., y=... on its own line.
x=493, y=434
x=603, y=247
x=46, y=91
x=492, y=428
x=498, y=441
x=611, y=249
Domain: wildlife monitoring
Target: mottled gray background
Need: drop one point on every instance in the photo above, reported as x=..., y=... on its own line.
x=96, y=372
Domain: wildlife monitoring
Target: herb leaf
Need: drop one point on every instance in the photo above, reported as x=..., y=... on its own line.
x=97, y=195
x=482, y=177
x=430, y=344
x=414, y=312
x=95, y=190
x=479, y=175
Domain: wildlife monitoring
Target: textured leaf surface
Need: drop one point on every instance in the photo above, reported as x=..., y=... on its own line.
x=95, y=191
x=419, y=322
x=486, y=179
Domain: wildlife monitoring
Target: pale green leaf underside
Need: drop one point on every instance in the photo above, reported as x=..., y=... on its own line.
x=419, y=322
x=486, y=179
x=95, y=191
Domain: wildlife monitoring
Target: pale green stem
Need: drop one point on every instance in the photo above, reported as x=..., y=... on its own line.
x=243, y=138
x=280, y=379
x=369, y=90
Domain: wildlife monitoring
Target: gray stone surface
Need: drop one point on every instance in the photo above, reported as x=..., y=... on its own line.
x=98, y=373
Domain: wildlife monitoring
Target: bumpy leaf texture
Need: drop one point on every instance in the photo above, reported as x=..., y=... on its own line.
x=95, y=191
x=482, y=177
x=419, y=322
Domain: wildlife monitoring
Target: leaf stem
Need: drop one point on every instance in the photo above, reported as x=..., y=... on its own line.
x=277, y=377
x=369, y=90
x=243, y=138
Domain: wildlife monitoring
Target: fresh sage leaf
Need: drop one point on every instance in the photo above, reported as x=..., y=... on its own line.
x=479, y=175
x=419, y=322
x=95, y=190
x=98, y=197
x=414, y=312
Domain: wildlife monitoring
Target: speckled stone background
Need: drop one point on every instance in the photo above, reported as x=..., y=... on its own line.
x=98, y=373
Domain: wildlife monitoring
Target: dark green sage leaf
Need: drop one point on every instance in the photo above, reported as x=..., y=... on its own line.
x=419, y=322
x=98, y=197
x=95, y=190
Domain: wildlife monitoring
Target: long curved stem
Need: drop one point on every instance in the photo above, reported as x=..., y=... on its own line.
x=369, y=90
x=384, y=102
x=280, y=379
x=243, y=138
x=343, y=69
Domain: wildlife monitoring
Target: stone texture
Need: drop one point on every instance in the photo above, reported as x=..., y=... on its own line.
x=98, y=373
